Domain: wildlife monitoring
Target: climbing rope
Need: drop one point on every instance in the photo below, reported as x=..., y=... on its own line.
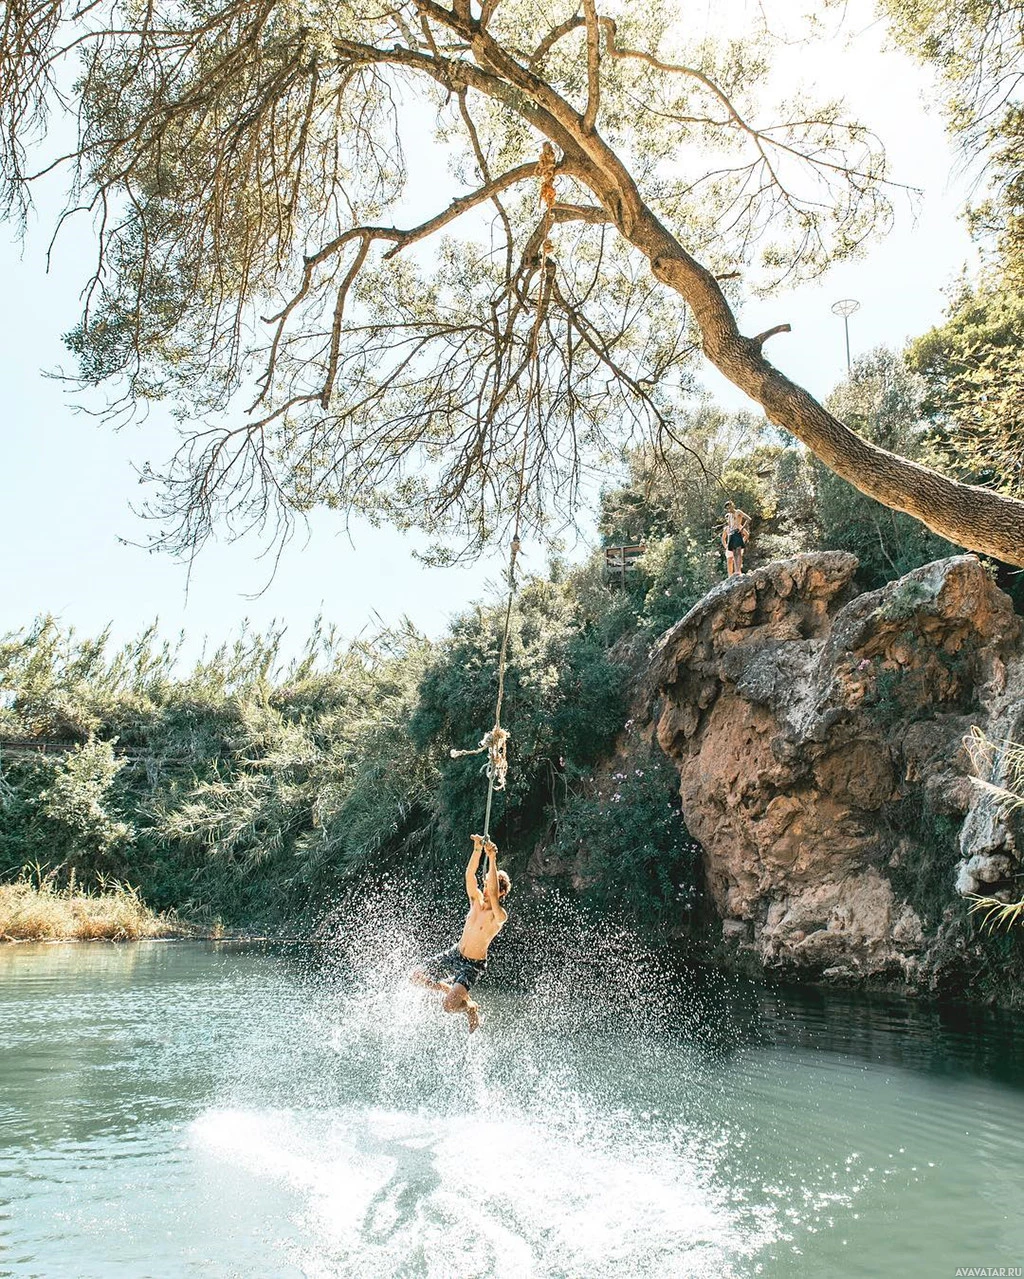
x=495, y=741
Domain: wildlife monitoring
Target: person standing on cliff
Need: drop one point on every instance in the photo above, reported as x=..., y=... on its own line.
x=735, y=532
x=464, y=964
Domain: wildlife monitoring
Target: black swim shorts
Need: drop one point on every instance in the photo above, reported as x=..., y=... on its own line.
x=452, y=965
x=736, y=542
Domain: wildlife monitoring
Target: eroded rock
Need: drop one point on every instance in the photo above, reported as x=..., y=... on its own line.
x=807, y=721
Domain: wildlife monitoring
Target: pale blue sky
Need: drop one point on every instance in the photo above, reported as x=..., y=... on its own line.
x=69, y=482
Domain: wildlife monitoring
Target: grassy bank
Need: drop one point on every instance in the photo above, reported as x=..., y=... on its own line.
x=41, y=911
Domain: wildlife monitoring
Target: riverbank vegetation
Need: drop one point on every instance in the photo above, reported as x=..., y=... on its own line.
x=41, y=909
x=249, y=789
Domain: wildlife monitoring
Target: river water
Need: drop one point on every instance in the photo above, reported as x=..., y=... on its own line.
x=199, y=1109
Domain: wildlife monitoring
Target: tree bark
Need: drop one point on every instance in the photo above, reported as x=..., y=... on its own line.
x=965, y=514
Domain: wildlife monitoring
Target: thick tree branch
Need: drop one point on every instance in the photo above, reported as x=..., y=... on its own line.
x=552, y=38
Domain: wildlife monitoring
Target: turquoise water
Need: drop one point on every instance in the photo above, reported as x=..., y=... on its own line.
x=197, y=1109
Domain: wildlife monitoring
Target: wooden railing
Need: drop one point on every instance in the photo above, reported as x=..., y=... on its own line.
x=620, y=562
x=37, y=745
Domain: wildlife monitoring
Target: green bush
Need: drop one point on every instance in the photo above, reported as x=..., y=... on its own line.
x=928, y=868
x=677, y=571
x=883, y=401
x=627, y=836
x=249, y=792
x=78, y=806
x=564, y=704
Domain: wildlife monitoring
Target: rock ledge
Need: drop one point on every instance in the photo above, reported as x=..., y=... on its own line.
x=818, y=732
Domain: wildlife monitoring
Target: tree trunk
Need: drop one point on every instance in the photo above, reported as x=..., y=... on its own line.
x=970, y=516
x=965, y=514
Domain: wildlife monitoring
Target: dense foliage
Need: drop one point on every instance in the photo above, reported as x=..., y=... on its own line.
x=973, y=368
x=972, y=363
x=250, y=789
x=248, y=792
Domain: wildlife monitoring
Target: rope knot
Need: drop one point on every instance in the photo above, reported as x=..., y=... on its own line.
x=495, y=743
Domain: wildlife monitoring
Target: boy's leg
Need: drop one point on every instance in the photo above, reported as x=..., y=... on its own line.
x=458, y=1001
x=429, y=972
x=419, y=977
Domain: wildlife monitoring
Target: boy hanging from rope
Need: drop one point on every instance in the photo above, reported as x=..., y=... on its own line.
x=465, y=963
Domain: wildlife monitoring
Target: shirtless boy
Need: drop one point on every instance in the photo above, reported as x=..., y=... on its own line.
x=464, y=964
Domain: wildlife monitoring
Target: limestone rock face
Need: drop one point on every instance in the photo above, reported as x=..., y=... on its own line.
x=817, y=731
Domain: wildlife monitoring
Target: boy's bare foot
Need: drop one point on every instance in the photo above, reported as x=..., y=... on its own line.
x=472, y=1016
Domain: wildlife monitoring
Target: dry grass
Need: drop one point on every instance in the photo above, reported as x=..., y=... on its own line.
x=35, y=909
x=996, y=913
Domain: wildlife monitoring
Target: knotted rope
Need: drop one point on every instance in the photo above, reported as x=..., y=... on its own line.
x=495, y=741
x=494, y=744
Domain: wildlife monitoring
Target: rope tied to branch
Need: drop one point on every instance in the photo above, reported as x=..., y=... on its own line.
x=495, y=741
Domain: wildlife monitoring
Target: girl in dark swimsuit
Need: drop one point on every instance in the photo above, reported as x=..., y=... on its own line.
x=734, y=537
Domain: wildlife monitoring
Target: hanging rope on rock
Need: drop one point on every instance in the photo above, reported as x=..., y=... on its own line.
x=495, y=741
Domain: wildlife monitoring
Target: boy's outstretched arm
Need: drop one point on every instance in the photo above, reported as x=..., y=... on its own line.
x=491, y=884
x=472, y=866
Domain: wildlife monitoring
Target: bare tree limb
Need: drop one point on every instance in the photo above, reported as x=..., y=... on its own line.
x=762, y=338
x=553, y=37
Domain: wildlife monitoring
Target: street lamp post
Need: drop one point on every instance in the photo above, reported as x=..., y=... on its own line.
x=846, y=307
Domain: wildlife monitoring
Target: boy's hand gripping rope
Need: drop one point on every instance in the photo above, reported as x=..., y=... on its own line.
x=495, y=741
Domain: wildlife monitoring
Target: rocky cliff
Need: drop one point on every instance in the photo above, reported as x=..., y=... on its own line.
x=820, y=739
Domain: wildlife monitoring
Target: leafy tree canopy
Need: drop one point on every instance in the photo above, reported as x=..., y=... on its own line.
x=427, y=346
x=977, y=46
x=973, y=366
x=974, y=362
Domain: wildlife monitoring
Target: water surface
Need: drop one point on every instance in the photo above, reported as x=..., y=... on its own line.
x=199, y=1109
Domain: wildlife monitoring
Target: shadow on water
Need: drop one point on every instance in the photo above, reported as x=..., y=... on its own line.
x=938, y=1039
